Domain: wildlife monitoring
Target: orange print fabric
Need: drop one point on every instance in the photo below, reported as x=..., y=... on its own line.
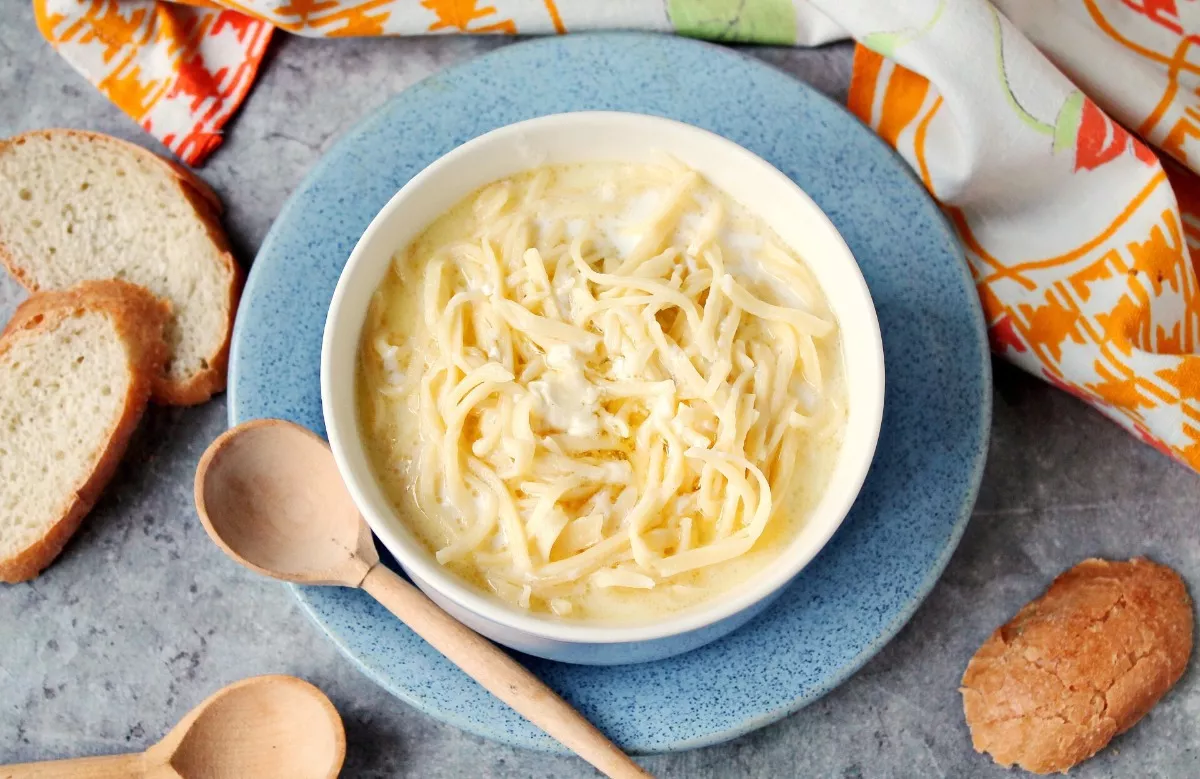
x=1062, y=140
x=1081, y=238
x=181, y=69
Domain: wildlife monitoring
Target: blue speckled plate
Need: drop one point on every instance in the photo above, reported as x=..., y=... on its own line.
x=885, y=558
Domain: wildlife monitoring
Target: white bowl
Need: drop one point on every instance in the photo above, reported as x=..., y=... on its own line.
x=579, y=137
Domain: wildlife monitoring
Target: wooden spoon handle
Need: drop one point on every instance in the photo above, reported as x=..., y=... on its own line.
x=111, y=767
x=502, y=676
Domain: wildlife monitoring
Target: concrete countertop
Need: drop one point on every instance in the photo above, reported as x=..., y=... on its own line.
x=142, y=617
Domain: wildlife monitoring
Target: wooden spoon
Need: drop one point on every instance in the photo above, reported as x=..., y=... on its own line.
x=270, y=495
x=267, y=727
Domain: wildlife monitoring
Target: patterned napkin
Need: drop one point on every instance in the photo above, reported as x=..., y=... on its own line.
x=1078, y=234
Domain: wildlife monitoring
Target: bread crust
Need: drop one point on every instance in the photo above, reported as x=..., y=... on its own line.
x=140, y=319
x=203, y=384
x=1079, y=665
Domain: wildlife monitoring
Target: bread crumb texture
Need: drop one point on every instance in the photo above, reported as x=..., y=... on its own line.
x=76, y=369
x=81, y=206
x=1079, y=665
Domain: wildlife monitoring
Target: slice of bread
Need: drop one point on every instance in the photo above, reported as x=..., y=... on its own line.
x=76, y=371
x=78, y=206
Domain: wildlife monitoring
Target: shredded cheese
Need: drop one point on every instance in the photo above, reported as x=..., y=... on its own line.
x=606, y=408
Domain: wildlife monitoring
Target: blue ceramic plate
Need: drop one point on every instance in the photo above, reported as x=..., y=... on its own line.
x=885, y=558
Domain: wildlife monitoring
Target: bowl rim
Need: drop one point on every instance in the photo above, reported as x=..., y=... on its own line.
x=343, y=430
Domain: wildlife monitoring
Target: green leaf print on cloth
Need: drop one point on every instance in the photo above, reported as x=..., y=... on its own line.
x=886, y=43
x=1079, y=126
x=749, y=21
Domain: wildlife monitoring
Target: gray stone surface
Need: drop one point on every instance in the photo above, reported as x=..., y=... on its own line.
x=141, y=618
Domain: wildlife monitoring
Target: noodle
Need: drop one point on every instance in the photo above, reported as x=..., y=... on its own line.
x=603, y=409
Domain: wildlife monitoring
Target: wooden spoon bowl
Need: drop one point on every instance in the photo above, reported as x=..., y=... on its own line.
x=266, y=727
x=272, y=499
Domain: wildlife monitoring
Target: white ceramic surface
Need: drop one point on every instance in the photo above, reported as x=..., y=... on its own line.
x=578, y=137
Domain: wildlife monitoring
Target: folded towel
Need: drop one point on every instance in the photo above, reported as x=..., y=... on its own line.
x=1078, y=234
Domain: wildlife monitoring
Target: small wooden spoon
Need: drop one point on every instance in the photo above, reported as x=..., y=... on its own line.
x=267, y=727
x=270, y=495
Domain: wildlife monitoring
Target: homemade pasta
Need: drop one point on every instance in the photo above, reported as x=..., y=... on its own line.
x=601, y=391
